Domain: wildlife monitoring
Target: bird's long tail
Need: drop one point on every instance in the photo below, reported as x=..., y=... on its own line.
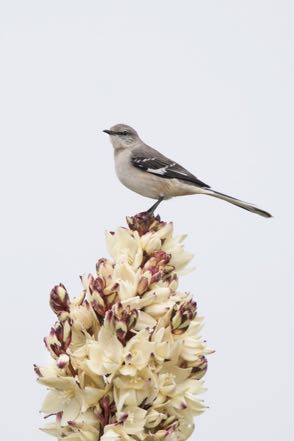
x=241, y=204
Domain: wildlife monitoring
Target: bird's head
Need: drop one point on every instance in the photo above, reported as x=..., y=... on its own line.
x=123, y=136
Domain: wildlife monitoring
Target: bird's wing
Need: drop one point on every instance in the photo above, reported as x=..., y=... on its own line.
x=151, y=161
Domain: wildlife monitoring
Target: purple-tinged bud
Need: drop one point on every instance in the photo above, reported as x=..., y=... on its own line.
x=143, y=284
x=173, y=281
x=124, y=319
x=168, y=269
x=59, y=339
x=104, y=269
x=52, y=348
x=105, y=405
x=111, y=289
x=59, y=301
x=101, y=262
x=156, y=277
x=200, y=369
x=158, y=262
x=66, y=334
x=99, y=310
x=109, y=315
x=121, y=330
x=161, y=257
x=144, y=222
x=182, y=315
x=98, y=285
x=151, y=265
x=62, y=361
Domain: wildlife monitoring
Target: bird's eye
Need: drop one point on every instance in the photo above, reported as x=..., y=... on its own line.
x=124, y=133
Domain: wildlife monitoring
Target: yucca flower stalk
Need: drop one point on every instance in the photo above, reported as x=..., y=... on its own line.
x=128, y=357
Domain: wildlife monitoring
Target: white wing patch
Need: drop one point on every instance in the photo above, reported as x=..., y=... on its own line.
x=164, y=170
x=159, y=171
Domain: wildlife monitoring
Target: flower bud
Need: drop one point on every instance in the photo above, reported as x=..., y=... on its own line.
x=161, y=257
x=200, y=369
x=66, y=337
x=173, y=282
x=59, y=301
x=98, y=305
x=157, y=262
x=59, y=339
x=182, y=315
x=97, y=285
x=124, y=319
x=104, y=269
x=144, y=222
x=144, y=283
x=62, y=361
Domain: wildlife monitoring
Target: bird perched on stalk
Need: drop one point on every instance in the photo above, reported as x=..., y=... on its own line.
x=146, y=171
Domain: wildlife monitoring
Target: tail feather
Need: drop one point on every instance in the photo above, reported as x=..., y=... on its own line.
x=245, y=205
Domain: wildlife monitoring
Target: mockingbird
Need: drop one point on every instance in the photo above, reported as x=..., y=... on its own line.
x=149, y=173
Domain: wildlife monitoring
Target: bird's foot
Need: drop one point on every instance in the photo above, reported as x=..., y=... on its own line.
x=146, y=221
x=154, y=206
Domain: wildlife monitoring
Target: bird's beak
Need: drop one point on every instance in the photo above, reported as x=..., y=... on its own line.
x=109, y=132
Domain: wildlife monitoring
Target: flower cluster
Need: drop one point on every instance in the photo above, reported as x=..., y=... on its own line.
x=128, y=358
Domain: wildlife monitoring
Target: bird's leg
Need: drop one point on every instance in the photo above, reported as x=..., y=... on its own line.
x=153, y=208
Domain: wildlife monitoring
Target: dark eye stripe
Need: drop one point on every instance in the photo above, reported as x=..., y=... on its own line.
x=124, y=133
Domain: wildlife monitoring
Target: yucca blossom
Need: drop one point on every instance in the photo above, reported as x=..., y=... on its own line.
x=128, y=356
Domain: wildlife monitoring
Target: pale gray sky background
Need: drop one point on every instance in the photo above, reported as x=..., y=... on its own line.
x=208, y=83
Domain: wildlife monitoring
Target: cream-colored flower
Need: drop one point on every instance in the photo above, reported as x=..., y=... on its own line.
x=84, y=427
x=127, y=278
x=114, y=433
x=137, y=353
x=159, y=302
x=163, y=340
x=124, y=246
x=180, y=258
x=104, y=269
x=82, y=432
x=130, y=423
x=193, y=345
x=106, y=354
x=135, y=390
x=154, y=418
x=134, y=419
x=185, y=396
x=144, y=321
x=66, y=396
x=151, y=242
x=83, y=317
